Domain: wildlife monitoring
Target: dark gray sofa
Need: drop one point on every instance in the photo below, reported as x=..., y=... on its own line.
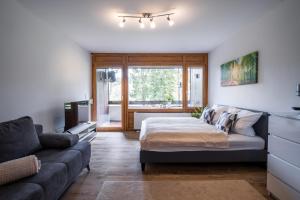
x=59, y=168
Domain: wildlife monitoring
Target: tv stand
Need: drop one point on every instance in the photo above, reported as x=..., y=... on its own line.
x=86, y=131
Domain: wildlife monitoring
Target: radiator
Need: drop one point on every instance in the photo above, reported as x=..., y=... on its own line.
x=139, y=117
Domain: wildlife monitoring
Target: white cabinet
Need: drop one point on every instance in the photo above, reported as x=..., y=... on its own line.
x=284, y=157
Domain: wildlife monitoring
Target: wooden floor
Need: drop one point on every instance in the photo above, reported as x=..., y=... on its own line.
x=115, y=156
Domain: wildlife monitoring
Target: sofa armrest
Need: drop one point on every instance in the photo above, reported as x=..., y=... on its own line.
x=58, y=140
x=38, y=129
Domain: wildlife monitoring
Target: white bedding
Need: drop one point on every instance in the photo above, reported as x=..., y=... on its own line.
x=192, y=125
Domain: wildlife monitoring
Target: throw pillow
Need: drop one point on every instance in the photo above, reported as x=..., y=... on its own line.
x=207, y=115
x=218, y=111
x=14, y=170
x=225, y=121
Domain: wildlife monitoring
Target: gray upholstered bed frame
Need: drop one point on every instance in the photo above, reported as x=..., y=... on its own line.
x=260, y=127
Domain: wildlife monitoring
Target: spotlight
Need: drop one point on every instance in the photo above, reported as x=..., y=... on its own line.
x=152, y=23
x=142, y=25
x=122, y=23
x=171, y=22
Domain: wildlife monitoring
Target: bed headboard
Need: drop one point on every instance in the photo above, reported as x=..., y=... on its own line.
x=261, y=127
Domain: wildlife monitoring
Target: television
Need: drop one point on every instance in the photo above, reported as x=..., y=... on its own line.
x=76, y=113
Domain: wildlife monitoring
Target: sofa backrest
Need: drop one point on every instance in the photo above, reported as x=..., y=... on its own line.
x=18, y=138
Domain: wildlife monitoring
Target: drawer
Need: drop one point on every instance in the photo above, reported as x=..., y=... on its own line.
x=285, y=128
x=280, y=189
x=284, y=171
x=284, y=149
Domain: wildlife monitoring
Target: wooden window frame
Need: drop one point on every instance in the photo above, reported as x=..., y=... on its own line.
x=124, y=60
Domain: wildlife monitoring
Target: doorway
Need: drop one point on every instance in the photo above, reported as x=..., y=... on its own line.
x=109, y=98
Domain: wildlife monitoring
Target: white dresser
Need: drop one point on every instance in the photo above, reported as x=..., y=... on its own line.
x=283, y=179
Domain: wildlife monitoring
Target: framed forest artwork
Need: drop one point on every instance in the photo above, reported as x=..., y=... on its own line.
x=241, y=71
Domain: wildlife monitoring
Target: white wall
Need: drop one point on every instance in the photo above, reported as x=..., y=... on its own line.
x=276, y=37
x=40, y=68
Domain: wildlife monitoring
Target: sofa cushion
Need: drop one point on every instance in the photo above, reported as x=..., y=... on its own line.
x=58, y=140
x=85, y=149
x=18, y=138
x=72, y=159
x=52, y=178
x=22, y=191
x=38, y=129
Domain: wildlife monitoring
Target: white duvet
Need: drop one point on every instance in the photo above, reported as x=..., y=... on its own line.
x=180, y=132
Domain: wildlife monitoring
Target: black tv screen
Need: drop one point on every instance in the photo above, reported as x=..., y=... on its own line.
x=75, y=113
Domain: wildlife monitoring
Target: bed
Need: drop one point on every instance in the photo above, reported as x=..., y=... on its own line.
x=192, y=148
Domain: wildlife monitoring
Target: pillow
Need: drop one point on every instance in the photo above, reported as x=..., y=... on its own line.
x=233, y=110
x=14, y=170
x=218, y=110
x=18, y=138
x=58, y=140
x=207, y=115
x=245, y=120
x=225, y=121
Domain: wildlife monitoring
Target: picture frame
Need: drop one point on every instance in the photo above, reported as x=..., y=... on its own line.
x=241, y=71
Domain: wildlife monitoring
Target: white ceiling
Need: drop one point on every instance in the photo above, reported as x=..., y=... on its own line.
x=200, y=25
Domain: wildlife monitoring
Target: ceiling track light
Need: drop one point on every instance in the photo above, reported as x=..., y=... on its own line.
x=122, y=23
x=152, y=23
x=149, y=16
x=142, y=25
x=171, y=22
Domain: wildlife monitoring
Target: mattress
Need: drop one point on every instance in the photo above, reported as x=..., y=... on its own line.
x=236, y=142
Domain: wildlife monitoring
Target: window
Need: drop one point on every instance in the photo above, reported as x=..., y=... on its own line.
x=195, y=87
x=155, y=87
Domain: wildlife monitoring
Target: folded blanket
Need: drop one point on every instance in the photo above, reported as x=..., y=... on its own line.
x=19, y=168
x=180, y=132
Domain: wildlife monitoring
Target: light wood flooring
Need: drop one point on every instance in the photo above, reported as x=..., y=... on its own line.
x=115, y=156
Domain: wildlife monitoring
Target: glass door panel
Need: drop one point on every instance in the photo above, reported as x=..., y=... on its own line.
x=109, y=97
x=195, y=87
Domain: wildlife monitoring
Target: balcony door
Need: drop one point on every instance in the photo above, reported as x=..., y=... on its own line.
x=109, y=101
